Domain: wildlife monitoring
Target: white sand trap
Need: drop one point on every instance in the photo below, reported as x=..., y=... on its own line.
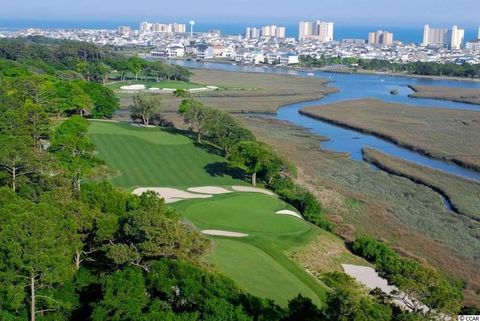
x=212, y=87
x=291, y=213
x=252, y=190
x=133, y=87
x=171, y=195
x=223, y=233
x=370, y=278
x=142, y=125
x=209, y=190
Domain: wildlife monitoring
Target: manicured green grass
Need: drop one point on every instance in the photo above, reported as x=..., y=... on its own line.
x=153, y=84
x=257, y=272
x=260, y=262
x=250, y=213
x=152, y=157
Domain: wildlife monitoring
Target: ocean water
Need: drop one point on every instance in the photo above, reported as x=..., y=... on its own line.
x=411, y=34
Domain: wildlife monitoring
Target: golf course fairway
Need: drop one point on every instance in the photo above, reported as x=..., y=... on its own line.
x=260, y=262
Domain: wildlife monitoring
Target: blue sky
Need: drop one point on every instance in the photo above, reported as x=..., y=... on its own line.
x=353, y=12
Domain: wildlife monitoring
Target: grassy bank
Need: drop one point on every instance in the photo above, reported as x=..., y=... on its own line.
x=455, y=94
x=463, y=194
x=249, y=92
x=410, y=217
x=447, y=134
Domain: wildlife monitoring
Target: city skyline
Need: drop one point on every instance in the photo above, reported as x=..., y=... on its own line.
x=248, y=11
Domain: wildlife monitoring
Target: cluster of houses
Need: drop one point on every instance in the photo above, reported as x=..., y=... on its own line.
x=213, y=45
x=204, y=51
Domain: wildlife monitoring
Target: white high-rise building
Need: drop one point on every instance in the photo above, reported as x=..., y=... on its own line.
x=457, y=37
x=252, y=33
x=305, y=30
x=146, y=26
x=380, y=37
x=271, y=31
x=281, y=33
x=319, y=30
x=325, y=31
x=452, y=38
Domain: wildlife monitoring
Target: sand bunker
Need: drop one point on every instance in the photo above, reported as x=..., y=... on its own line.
x=291, y=213
x=370, y=278
x=142, y=125
x=171, y=195
x=223, y=233
x=252, y=190
x=133, y=87
x=209, y=190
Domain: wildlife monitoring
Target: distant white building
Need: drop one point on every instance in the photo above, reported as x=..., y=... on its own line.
x=380, y=37
x=271, y=31
x=156, y=27
x=204, y=52
x=319, y=30
x=452, y=38
x=252, y=33
x=473, y=45
x=124, y=30
x=175, y=51
x=289, y=59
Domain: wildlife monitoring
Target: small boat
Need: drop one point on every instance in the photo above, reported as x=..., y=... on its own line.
x=234, y=64
x=310, y=74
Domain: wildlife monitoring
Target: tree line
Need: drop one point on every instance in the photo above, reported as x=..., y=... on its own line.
x=463, y=70
x=81, y=60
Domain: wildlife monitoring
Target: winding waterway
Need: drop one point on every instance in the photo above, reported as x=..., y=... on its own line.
x=357, y=86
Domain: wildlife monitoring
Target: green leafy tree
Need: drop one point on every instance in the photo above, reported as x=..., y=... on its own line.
x=35, y=252
x=104, y=100
x=253, y=157
x=225, y=131
x=348, y=302
x=135, y=66
x=74, y=151
x=196, y=116
x=146, y=108
x=125, y=297
x=154, y=232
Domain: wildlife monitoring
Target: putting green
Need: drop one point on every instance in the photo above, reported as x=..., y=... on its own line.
x=260, y=262
x=243, y=212
x=152, y=157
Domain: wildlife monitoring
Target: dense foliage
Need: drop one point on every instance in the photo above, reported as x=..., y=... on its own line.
x=415, y=68
x=420, y=284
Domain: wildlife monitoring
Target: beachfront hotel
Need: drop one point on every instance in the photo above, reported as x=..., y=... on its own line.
x=271, y=31
x=452, y=38
x=380, y=37
x=147, y=27
x=319, y=30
